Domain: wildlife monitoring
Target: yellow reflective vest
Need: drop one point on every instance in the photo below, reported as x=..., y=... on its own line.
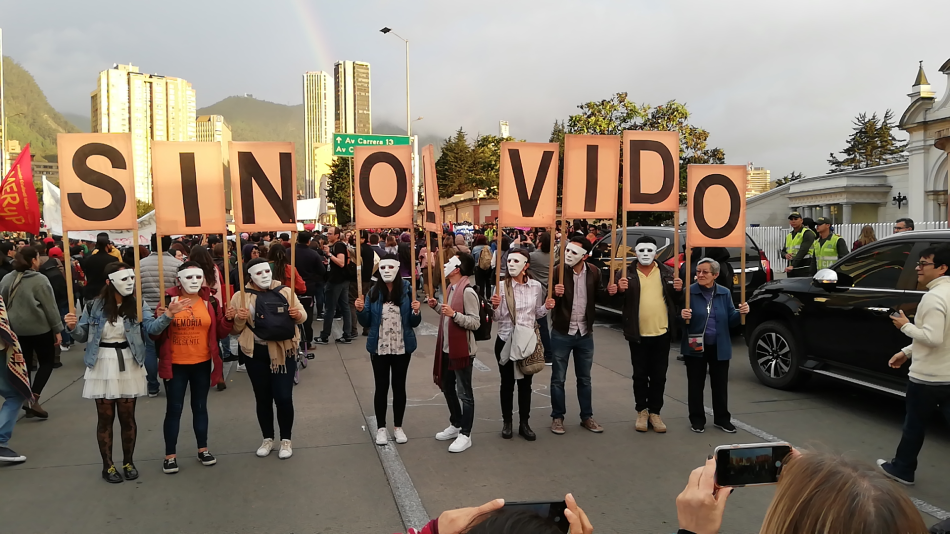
x=825, y=254
x=794, y=242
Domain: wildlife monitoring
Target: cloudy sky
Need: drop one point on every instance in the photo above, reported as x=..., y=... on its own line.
x=775, y=83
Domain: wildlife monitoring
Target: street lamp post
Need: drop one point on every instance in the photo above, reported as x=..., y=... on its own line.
x=408, y=114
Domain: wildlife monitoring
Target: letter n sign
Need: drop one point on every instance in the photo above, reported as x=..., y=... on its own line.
x=96, y=181
x=383, y=182
x=715, y=199
x=263, y=186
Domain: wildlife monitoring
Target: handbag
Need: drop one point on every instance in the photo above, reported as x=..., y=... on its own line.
x=534, y=362
x=696, y=342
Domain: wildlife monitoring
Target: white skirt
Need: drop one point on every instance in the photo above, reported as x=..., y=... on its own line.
x=105, y=381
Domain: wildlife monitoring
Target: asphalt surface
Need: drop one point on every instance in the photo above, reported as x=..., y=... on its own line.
x=336, y=481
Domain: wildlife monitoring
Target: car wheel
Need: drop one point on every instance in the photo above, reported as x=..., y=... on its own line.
x=776, y=357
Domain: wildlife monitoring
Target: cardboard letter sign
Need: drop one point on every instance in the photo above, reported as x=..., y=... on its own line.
x=96, y=181
x=651, y=171
x=383, y=183
x=715, y=199
x=591, y=176
x=527, y=188
x=432, y=220
x=263, y=186
x=188, y=183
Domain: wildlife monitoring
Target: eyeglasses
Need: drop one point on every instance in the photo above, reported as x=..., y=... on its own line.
x=922, y=264
x=703, y=272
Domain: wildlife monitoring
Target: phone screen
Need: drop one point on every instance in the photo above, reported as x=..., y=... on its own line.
x=750, y=465
x=552, y=510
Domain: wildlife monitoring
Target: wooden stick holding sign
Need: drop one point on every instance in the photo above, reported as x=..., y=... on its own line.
x=497, y=261
x=687, y=282
x=560, y=267
x=359, y=264
x=676, y=246
x=69, y=275
x=226, y=251
x=138, y=272
x=293, y=268
x=623, y=239
x=551, y=237
x=161, y=270
x=439, y=264
x=429, y=262
x=615, y=251
x=742, y=280
x=240, y=262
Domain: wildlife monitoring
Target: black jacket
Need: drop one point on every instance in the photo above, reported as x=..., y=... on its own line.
x=94, y=268
x=311, y=268
x=561, y=314
x=6, y=266
x=50, y=269
x=631, y=301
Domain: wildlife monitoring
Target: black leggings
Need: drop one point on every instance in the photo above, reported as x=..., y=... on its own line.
x=106, y=409
x=507, y=372
x=399, y=364
x=43, y=345
x=272, y=389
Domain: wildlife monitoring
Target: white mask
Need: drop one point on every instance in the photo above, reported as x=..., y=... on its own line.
x=573, y=254
x=191, y=279
x=453, y=264
x=123, y=281
x=261, y=275
x=388, y=270
x=646, y=253
x=516, y=264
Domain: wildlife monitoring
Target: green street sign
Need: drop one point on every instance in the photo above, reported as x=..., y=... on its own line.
x=343, y=144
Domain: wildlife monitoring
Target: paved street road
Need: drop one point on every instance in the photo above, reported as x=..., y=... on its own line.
x=336, y=482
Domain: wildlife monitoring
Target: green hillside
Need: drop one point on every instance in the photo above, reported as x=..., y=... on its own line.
x=259, y=120
x=79, y=121
x=30, y=118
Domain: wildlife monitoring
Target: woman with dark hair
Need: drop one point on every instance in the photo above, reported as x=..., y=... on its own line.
x=115, y=360
x=178, y=251
x=390, y=315
x=404, y=257
x=34, y=317
x=186, y=351
x=280, y=264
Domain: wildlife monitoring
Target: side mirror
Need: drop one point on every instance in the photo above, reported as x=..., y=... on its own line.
x=825, y=278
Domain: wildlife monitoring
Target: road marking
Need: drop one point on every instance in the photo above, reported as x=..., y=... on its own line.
x=411, y=510
x=923, y=506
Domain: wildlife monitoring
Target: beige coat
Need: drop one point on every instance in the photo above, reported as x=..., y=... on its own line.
x=278, y=350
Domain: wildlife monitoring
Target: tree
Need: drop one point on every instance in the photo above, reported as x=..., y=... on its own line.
x=339, y=184
x=142, y=207
x=486, y=163
x=455, y=165
x=871, y=143
x=789, y=178
x=619, y=113
x=557, y=136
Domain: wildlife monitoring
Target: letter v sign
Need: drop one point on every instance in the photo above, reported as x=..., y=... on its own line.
x=529, y=203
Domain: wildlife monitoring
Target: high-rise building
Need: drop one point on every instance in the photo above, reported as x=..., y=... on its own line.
x=757, y=181
x=352, y=88
x=503, y=129
x=150, y=107
x=214, y=129
x=319, y=120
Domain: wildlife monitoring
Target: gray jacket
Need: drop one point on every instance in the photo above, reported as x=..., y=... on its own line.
x=538, y=267
x=32, y=310
x=149, y=273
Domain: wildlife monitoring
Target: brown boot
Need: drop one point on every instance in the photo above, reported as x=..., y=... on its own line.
x=36, y=409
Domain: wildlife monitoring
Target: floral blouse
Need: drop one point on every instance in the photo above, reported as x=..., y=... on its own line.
x=390, y=331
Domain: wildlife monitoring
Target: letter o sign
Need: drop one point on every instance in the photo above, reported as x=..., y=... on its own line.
x=402, y=184
x=699, y=212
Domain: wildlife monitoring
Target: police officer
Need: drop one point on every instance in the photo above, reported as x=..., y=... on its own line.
x=829, y=247
x=797, y=249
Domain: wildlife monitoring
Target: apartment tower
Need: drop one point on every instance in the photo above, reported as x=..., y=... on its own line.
x=352, y=88
x=319, y=123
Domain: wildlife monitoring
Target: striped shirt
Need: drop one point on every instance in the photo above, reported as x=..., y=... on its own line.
x=529, y=307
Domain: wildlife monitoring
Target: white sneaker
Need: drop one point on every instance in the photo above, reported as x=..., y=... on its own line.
x=265, y=447
x=451, y=432
x=285, y=450
x=400, y=436
x=241, y=368
x=382, y=437
x=461, y=443
x=64, y=348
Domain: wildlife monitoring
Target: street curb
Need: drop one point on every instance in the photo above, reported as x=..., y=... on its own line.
x=411, y=510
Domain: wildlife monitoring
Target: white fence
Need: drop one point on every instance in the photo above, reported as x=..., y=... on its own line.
x=771, y=239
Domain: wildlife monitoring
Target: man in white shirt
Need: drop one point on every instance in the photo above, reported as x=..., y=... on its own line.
x=928, y=385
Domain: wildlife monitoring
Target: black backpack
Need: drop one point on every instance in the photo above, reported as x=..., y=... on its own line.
x=486, y=316
x=50, y=269
x=272, y=321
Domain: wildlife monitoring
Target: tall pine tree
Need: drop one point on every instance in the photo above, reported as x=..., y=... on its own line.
x=871, y=143
x=455, y=165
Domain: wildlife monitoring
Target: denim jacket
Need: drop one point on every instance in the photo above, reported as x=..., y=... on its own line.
x=89, y=331
x=372, y=317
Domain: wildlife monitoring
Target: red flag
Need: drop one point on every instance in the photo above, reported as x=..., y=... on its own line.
x=19, y=207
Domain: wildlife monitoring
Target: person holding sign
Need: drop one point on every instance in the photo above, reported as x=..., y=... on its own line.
x=708, y=344
x=115, y=360
x=573, y=331
x=266, y=316
x=455, y=349
x=187, y=349
x=390, y=317
x=517, y=310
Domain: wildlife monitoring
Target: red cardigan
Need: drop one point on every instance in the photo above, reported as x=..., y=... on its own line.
x=222, y=328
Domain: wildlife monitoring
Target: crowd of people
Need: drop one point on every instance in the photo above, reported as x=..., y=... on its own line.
x=190, y=337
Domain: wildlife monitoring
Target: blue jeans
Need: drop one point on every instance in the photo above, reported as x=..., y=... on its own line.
x=583, y=347
x=337, y=297
x=151, y=365
x=921, y=401
x=63, y=310
x=545, y=338
x=10, y=409
x=198, y=376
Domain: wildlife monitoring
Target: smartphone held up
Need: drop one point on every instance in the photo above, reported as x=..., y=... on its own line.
x=751, y=464
x=553, y=511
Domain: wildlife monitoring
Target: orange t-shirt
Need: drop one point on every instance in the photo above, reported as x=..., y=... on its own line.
x=188, y=334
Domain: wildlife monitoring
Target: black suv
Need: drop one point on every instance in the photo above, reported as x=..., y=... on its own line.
x=758, y=270
x=837, y=324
